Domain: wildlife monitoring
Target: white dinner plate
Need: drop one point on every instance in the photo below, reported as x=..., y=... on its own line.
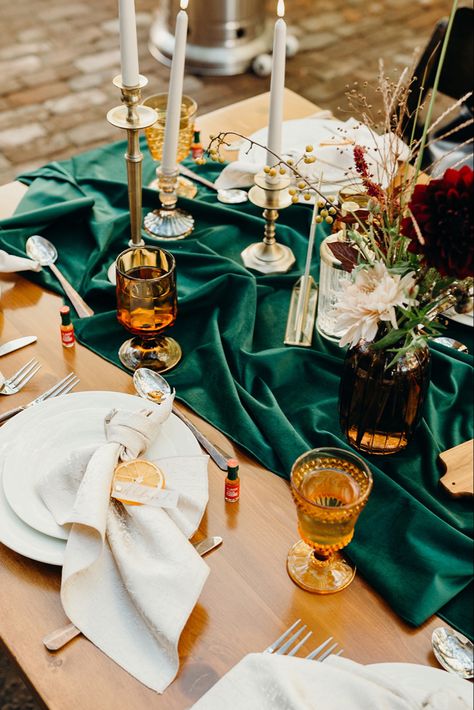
x=463, y=318
x=37, y=439
x=418, y=680
x=296, y=135
x=19, y=537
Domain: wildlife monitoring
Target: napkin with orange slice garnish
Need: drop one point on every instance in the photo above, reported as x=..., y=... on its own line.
x=130, y=577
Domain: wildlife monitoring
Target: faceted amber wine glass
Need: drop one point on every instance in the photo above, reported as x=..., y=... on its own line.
x=146, y=306
x=155, y=136
x=330, y=488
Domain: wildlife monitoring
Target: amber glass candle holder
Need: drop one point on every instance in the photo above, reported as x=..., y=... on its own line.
x=330, y=487
x=155, y=137
x=147, y=306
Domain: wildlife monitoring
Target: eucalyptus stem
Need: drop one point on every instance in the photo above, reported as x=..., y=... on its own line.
x=290, y=166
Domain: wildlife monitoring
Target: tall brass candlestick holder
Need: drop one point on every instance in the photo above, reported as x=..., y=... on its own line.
x=268, y=256
x=133, y=117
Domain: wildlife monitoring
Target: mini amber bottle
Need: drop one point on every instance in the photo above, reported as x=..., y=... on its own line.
x=67, y=329
x=232, y=482
x=197, y=151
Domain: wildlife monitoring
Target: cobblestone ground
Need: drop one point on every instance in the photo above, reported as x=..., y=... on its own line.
x=57, y=60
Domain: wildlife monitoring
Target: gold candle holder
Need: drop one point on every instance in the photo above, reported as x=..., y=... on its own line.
x=133, y=117
x=268, y=256
x=168, y=222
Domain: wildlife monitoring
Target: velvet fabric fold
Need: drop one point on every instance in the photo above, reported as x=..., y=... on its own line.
x=413, y=542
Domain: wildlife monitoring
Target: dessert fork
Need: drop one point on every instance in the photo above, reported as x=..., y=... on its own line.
x=16, y=382
x=62, y=387
x=284, y=647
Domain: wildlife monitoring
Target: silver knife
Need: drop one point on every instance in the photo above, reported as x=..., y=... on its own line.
x=59, y=638
x=208, y=544
x=17, y=344
x=219, y=458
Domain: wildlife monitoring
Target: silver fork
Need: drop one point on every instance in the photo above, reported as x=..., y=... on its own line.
x=62, y=387
x=283, y=647
x=16, y=382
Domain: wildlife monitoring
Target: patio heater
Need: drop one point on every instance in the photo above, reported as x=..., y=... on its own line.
x=224, y=38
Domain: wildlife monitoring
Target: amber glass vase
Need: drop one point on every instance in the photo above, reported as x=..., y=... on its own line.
x=380, y=405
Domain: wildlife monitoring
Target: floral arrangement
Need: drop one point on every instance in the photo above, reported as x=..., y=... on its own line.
x=412, y=256
x=411, y=251
x=409, y=261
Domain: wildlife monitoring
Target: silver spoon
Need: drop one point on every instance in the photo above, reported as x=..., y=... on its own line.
x=453, y=651
x=231, y=196
x=42, y=251
x=150, y=385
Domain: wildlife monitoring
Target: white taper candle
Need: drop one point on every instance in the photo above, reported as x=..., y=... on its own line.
x=277, y=86
x=128, y=43
x=175, y=92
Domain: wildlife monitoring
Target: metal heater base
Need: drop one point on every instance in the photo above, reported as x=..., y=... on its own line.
x=210, y=61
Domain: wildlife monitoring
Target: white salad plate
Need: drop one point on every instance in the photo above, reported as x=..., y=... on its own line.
x=39, y=438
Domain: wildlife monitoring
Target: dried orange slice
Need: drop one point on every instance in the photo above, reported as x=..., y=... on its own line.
x=137, y=471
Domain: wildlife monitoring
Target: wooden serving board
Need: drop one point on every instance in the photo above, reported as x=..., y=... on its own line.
x=458, y=461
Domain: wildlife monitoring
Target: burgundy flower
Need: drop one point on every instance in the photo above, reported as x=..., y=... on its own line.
x=444, y=213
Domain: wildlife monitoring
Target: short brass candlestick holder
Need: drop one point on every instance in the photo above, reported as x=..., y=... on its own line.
x=268, y=256
x=132, y=117
x=168, y=222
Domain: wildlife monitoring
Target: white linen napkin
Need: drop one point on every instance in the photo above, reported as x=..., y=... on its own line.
x=263, y=681
x=10, y=263
x=130, y=577
x=333, y=145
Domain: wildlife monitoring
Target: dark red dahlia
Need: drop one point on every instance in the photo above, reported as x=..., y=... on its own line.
x=444, y=212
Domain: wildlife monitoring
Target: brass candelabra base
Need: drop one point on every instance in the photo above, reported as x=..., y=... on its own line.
x=268, y=256
x=168, y=222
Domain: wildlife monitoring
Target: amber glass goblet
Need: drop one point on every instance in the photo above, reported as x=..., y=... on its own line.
x=146, y=306
x=330, y=487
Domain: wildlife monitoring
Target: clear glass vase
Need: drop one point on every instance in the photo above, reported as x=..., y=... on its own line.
x=380, y=406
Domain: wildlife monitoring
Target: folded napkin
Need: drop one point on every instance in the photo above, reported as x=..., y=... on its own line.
x=9, y=263
x=333, y=142
x=271, y=682
x=130, y=577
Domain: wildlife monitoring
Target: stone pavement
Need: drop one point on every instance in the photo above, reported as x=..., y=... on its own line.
x=58, y=58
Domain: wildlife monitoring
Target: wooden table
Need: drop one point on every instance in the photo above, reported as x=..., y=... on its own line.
x=248, y=599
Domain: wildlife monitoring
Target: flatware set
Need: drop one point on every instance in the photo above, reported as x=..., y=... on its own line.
x=16, y=382
x=62, y=387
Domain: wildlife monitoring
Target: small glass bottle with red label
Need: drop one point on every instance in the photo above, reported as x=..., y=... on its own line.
x=232, y=482
x=67, y=329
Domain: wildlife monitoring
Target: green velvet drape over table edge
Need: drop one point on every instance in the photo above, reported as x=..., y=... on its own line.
x=413, y=543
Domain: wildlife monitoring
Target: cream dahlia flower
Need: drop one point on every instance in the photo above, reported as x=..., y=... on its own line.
x=370, y=299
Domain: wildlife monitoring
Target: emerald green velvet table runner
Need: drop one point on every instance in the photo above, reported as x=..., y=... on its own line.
x=413, y=542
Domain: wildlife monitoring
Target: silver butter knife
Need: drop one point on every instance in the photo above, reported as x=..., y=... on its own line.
x=59, y=638
x=16, y=344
